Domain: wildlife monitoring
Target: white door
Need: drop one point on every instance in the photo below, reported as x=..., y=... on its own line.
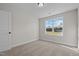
x=5, y=41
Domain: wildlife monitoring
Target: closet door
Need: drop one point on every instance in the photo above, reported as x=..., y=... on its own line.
x=5, y=31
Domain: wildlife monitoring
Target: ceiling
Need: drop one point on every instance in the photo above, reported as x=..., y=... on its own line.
x=32, y=8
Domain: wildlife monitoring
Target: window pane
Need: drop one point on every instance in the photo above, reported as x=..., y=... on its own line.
x=54, y=26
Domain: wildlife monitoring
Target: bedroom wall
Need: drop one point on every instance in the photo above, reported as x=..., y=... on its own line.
x=24, y=23
x=70, y=29
x=25, y=28
x=78, y=27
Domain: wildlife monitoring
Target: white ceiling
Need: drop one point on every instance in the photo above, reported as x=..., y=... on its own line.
x=32, y=8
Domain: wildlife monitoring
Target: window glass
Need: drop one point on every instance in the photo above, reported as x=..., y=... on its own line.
x=54, y=26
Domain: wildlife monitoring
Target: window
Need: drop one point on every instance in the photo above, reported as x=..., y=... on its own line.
x=54, y=26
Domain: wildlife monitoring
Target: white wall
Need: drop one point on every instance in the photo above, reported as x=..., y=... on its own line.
x=78, y=28
x=25, y=28
x=24, y=23
x=70, y=29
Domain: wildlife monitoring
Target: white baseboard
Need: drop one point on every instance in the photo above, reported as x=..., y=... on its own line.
x=5, y=49
x=17, y=45
x=23, y=43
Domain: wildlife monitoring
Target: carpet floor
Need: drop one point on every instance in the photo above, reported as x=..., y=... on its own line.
x=42, y=48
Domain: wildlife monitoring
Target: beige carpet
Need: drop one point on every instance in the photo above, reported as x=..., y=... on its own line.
x=43, y=48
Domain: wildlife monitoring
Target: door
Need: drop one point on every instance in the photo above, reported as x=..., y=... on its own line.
x=5, y=29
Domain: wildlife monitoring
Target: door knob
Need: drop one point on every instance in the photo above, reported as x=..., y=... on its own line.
x=9, y=32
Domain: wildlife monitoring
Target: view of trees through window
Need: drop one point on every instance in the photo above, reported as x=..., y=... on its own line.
x=54, y=26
